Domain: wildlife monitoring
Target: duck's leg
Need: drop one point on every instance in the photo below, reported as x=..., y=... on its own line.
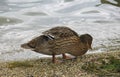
x=53, y=58
x=66, y=57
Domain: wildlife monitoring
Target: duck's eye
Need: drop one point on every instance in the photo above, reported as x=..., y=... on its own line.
x=83, y=48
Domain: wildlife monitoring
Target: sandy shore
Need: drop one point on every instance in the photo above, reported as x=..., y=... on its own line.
x=105, y=64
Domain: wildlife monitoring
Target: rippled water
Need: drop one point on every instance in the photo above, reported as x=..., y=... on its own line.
x=22, y=20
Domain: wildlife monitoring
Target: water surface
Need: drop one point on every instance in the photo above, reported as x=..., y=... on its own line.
x=22, y=20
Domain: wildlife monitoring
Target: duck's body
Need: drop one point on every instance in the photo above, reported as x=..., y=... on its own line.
x=72, y=44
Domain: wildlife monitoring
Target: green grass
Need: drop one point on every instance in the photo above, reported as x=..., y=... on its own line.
x=104, y=66
x=19, y=64
x=113, y=65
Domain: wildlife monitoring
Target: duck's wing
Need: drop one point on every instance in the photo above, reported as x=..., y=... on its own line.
x=36, y=42
x=60, y=32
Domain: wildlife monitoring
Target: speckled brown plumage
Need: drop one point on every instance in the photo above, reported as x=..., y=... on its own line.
x=60, y=32
x=72, y=44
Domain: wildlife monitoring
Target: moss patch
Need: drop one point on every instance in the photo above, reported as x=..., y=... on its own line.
x=106, y=65
x=19, y=64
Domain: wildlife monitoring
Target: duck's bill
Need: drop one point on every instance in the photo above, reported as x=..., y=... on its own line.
x=89, y=46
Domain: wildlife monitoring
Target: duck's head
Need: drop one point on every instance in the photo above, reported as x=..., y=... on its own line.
x=87, y=39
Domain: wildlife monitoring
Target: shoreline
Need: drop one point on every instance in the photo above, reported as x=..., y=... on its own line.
x=89, y=65
x=42, y=56
x=49, y=56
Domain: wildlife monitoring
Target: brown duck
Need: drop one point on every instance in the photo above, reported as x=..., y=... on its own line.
x=61, y=43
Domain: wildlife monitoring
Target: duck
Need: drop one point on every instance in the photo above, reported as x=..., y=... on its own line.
x=55, y=42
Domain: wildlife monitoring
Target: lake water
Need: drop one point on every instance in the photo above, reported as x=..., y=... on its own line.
x=22, y=20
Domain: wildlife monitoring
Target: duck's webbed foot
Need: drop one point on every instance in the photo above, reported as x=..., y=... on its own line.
x=66, y=57
x=75, y=57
